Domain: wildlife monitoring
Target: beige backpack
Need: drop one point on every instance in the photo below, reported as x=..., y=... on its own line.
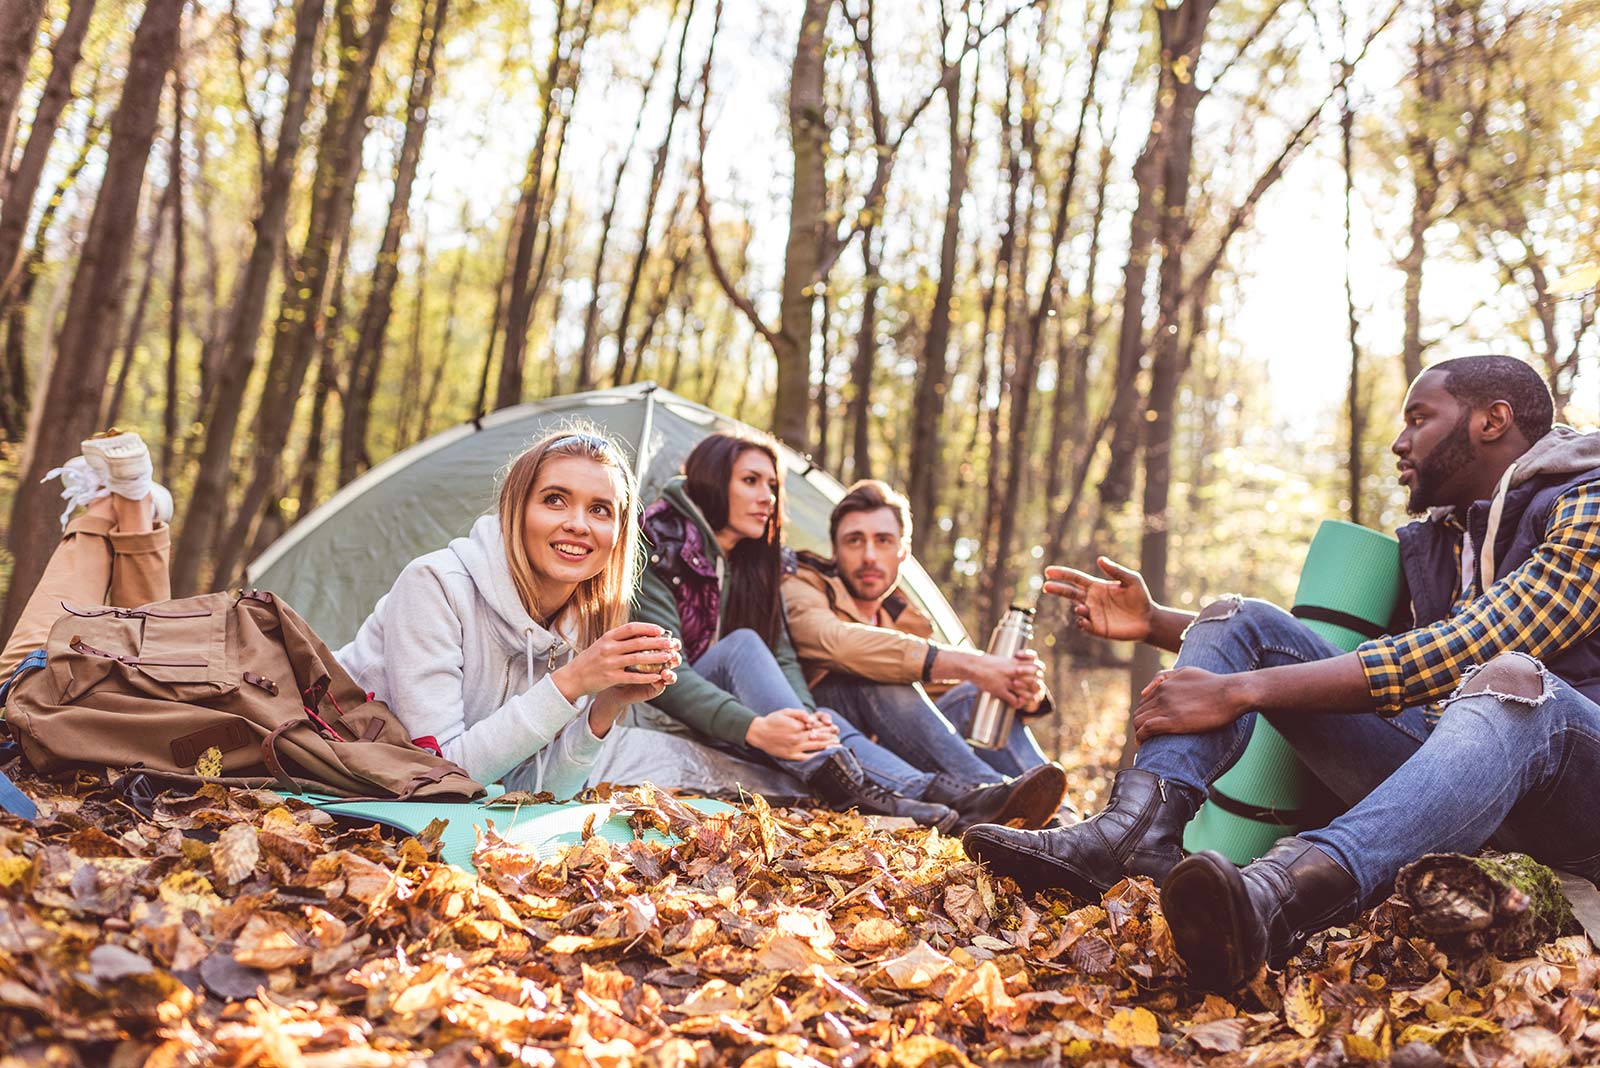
x=228, y=687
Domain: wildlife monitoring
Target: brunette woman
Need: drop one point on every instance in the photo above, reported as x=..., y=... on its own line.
x=713, y=579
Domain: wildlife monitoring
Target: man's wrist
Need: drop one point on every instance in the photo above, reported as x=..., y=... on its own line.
x=952, y=664
x=1245, y=691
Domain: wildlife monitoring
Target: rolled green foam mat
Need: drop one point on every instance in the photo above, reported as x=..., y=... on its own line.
x=540, y=828
x=1350, y=580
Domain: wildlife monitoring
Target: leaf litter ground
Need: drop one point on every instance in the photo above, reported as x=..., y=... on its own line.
x=241, y=928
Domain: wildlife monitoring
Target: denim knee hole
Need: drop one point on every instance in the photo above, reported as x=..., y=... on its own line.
x=1499, y=676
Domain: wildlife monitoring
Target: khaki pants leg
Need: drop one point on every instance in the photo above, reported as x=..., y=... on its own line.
x=94, y=564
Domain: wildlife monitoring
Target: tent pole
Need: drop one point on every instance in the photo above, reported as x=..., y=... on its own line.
x=640, y=459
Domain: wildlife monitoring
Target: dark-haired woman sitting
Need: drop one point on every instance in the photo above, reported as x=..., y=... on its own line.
x=713, y=580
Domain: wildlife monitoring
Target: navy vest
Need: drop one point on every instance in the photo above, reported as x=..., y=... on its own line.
x=1431, y=568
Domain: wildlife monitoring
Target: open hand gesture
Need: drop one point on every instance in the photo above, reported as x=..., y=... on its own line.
x=1117, y=607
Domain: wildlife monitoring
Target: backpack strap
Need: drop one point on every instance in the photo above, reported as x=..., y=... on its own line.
x=269, y=757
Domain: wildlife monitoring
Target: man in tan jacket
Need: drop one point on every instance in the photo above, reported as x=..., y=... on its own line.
x=869, y=655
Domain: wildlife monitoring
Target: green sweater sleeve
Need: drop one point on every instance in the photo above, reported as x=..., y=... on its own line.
x=692, y=700
x=790, y=662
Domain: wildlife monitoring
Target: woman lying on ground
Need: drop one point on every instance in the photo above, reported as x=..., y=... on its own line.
x=713, y=579
x=507, y=651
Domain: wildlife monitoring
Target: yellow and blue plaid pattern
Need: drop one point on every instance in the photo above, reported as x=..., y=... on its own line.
x=1545, y=606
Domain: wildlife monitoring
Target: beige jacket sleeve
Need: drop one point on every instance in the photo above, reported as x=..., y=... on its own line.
x=825, y=641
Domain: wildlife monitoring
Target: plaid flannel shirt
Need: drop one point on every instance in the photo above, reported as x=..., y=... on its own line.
x=1548, y=604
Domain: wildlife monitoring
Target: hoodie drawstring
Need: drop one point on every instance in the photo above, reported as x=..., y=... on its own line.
x=543, y=754
x=557, y=647
x=1496, y=507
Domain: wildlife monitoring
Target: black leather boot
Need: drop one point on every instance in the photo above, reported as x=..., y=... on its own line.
x=838, y=786
x=1029, y=800
x=1228, y=921
x=1139, y=832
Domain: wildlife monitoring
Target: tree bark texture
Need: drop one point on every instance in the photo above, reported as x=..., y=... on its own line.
x=169, y=408
x=591, y=315
x=305, y=303
x=928, y=404
x=808, y=138
x=18, y=189
x=19, y=27
x=658, y=171
x=367, y=361
x=561, y=72
x=77, y=382
x=223, y=407
x=14, y=397
x=999, y=576
x=1183, y=35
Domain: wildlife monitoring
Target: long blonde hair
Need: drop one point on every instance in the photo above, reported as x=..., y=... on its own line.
x=599, y=603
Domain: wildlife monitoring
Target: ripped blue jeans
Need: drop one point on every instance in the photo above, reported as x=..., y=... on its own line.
x=1522, y=770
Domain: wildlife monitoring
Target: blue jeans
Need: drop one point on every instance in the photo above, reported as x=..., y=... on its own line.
x=1522, y=770
x=929, y=735
x=742, y=664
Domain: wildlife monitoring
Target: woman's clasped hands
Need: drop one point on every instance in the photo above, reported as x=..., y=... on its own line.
x=627, y=664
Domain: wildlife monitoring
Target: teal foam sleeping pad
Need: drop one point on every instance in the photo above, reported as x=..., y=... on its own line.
x=1349, y=571
x=540, y=828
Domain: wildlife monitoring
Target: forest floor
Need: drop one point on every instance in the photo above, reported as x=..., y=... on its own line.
x=241, y=928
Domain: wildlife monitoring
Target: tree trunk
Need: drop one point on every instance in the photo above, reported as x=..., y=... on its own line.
x=77, y=380
x=367, y=360
x=566, y=50
x=14, y=398
x=866, y=356
x=19, y=28
x=928, y=405
x=991, y=372
x=411, y=379
x=998, y=578
x=1357, y=420
x=1062, y=511
x=1502, y=903
x=237, y=352
x=169, y=408
x=825, y=327
x=1424, y=165
x=430, y=395
x=1183, y=35
x=808, y=139
x=658, y=171
x=18, y=189
x=591, y=315
x=304, y=305
x=141, y=303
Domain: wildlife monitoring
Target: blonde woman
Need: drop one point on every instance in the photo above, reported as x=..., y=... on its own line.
x=508, y=651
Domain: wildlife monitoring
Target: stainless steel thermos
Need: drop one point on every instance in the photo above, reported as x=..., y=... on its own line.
x=992, y=718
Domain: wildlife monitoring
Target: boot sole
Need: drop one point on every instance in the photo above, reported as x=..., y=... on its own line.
x=1033, y=872
x=1208, y=911
x=1036, y=799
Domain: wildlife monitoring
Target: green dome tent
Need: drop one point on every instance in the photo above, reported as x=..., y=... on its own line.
x=333, y=565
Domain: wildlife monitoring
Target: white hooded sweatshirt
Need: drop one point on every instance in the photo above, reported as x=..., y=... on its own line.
x=453, y=653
